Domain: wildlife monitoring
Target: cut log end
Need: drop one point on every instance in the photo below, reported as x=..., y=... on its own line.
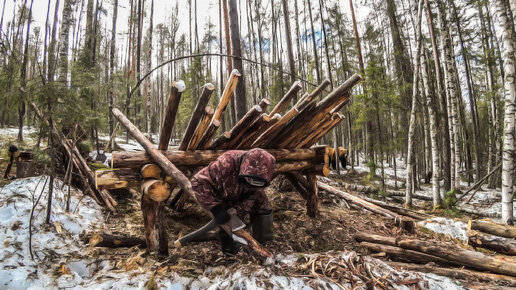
x=150, y=171
x=157, y=190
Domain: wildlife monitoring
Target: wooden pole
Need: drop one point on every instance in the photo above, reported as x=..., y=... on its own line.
x=197, y=114
x=292, y=92
x=170, y=115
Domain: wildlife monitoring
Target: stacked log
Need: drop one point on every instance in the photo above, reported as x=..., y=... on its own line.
x=289, y=137
x=491, y=236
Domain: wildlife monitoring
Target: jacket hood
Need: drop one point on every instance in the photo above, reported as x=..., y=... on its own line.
x=257, y=163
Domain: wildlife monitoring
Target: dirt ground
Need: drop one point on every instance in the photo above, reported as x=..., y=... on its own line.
x=294, y=231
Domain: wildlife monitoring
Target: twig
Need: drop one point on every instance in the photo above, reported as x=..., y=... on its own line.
x=32, y=215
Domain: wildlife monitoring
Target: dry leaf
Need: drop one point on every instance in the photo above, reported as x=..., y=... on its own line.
x=58, y=227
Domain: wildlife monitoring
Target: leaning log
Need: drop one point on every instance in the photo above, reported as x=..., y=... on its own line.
x=283, y=103
x=458, y=273
x=403, y=222
x=265, y=138
x=207, y=91
x=492, y=228
x=201, y=128
x=239, y=129
x=247, y=142
x=497, y=244
x=170, y=115
x=226, y=95
x=181, y=179
x=136, y=159
x=205, y=141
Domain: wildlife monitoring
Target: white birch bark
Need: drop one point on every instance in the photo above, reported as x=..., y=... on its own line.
x=436, y=171
x=412, y=124
x=510, y=110
x=451, y=90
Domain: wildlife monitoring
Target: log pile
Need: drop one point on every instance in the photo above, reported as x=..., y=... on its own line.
x=290, y=137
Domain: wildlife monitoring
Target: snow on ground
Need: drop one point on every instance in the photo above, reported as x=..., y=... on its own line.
x=62, y=261
x=13, y=131
x=454, y=228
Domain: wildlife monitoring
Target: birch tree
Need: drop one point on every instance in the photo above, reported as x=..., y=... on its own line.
x=510, y=110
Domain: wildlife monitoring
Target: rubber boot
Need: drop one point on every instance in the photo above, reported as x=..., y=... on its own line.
x=262, y=227
x=227, y=244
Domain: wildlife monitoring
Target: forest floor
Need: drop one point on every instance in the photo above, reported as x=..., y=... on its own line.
x=309, y=253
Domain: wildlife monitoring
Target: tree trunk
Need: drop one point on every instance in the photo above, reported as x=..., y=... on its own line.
x=111, y=91
x=431, y=102
x=510, y=110
x=236, y=50
x=288, y=34
x=412, y=123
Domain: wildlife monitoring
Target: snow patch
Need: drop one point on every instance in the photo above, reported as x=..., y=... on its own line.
x=180, y=85
x=453, y=228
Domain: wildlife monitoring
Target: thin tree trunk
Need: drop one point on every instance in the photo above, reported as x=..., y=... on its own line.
x=111, y=72
x=288, y=34
x=240, y=97
x=412, y=124
x=316, y=55
x=510, y=110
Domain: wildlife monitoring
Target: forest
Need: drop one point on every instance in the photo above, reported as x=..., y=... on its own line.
x=391, y=123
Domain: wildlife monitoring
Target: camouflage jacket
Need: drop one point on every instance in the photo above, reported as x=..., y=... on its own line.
x=221, y=182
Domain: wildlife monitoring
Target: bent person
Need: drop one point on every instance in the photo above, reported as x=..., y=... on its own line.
x=235, y=183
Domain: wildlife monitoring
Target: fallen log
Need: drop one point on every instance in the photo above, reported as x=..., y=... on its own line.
x=117, y=178
x=415, y=196
x=492, y=228
x=170, y=115
x=137, y=159
x=200, y=109
x=403, y=254
x=399, y=210
x=476, y=260
x=403, y=222
x=497, y=244
x=292, y=92
x=112, y=241
x=181, y=179
x=457, y=273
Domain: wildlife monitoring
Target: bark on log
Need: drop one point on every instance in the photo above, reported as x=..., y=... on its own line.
x=498, y=244
x=205, y=141
x=415, y=196
x=283, y=103
x=112, y=241
x=312, y=201
x=403, y=254
x=496, y=264
x=251, y=138
x=137, y=159
x=239, y=129
x=269, y=135
x=226, y=95
x=156, y=236
x=492, y=228
x=25, y=169
x=319, y=89
x=221, y=140
x=405, y=223
x=181, y=179
x=197, y=114
x=201, y=128
x=170, y=115
x=118, y=178
x=155, y=189
x=399, y=210
x=458, y=273
x=264, y=103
